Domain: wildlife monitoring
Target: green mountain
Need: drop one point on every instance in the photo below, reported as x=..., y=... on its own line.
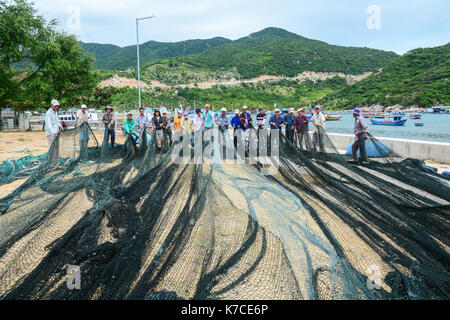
x=419, y=78
x=272, y=51
x=112, y=57
x=276, y=51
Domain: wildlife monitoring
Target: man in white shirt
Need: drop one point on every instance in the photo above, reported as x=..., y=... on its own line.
x=83, y=117
x=52, y=124
x=319, y=120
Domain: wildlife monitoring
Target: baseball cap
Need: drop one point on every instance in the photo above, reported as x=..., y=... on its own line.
x=83, y=106
x=55, y=102
x=224, y=110
x=236, y=111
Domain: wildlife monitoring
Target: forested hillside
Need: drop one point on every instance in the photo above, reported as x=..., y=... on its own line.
x=419, y=78
x=113, y=57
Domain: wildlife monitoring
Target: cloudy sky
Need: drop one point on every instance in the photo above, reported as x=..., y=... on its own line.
x=397, y=25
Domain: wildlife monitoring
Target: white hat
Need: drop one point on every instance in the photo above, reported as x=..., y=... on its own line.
x=291, y=110
x=244, y=108
x=277, y=110
x=55, y=102
x=236, y=111
x=83, y=106
x=224, y=110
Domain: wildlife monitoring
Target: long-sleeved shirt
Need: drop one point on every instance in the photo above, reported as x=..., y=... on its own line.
x=246, y=121
x=318, y=120
x=158, y=123
x=144, y=121
x=278, y=122
x=187, y=125
x=360, y=127
x=198, y=123
x=222, y=121
x=236, y=122
x=289, y=120
x=301, y=124
x=166, y=124
x=52, y=124
x=109, y=119
x=128, y=125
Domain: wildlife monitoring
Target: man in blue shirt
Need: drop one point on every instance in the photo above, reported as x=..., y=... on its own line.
x=236, y=124
x=209, y=118
x=289, y=121
x=276, y=122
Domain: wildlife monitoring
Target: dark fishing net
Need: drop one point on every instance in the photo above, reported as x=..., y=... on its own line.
x=139, y=225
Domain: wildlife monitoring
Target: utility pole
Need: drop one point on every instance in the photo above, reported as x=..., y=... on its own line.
x=138, y=62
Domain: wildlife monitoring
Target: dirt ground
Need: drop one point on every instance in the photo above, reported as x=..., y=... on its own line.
x=16, y=145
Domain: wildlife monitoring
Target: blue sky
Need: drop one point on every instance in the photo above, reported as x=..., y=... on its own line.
x=397, y=25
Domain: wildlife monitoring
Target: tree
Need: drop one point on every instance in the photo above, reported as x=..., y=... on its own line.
x=38, y=63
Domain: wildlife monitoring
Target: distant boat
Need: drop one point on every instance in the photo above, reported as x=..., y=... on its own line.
x=370, y=115
x=395, y=121
x=415, y=116
x=418, y=124
x=333, y=117
x=439, y=110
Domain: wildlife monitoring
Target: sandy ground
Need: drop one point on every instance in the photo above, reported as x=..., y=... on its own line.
x=16, y=145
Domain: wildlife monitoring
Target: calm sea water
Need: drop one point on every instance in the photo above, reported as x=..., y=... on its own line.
x=436, y=128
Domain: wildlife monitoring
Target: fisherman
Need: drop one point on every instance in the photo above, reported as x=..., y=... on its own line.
x=109, y=119
x=236, y=124
x=129, y=127
x=158, y=125
x=361, y=135
x=167, y=126
x=261, y=119
x=142, y=121
x=318, y=119
x=83, y=118
x=209, y=118
x=177, y=121
x=53, y=127
x=187, y=125
x=276, y=122
x=300, y=128
x=223, y=121
x=289, y=121
x=198, y=121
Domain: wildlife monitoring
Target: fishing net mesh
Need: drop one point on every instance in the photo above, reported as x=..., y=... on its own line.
x=140, y=226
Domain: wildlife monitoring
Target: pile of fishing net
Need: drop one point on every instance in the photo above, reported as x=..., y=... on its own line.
x=137, y=225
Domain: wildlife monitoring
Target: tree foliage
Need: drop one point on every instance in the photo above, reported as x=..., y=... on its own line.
x=38, y=63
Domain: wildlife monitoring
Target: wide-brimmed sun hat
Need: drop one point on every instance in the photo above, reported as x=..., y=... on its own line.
x=244, y=108
x=109, y=107
x=224, y=110
x=83, y=106
x=356, y=111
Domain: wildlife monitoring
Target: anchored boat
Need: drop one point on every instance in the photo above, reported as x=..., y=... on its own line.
x=333, y=117
x=389, y=121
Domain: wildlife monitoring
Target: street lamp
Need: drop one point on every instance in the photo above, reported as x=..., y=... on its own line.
x=138, y=62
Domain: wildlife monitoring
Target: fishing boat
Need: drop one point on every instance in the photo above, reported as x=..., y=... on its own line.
x=389, y=121
x=415, y=116
x=333, y=117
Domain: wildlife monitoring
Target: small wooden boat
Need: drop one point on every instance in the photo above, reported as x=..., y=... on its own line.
x=396, y=121
x=333, y=117
x=415, y=116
